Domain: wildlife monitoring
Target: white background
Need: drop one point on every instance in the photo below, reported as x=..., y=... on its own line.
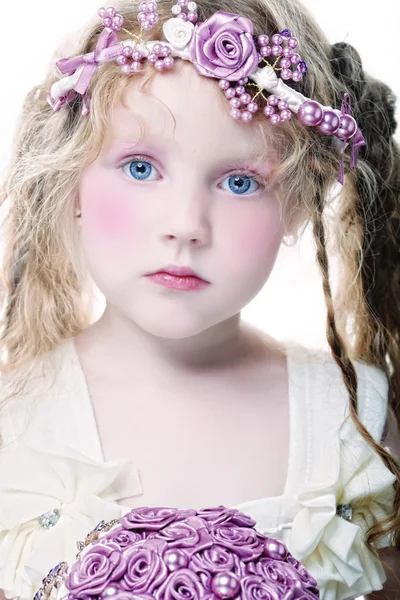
x=291, y=304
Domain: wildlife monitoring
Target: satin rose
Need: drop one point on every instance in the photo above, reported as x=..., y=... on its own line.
x=223, y=47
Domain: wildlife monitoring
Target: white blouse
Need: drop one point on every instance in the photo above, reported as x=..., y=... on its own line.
x=55, y=485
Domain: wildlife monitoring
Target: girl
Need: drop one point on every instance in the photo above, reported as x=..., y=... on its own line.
x=165, y=165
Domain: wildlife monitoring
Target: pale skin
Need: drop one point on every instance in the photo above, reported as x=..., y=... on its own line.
x=213, y=388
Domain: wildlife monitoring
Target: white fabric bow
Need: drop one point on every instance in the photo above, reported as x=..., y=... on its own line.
x=33, y=482
x=331, y=548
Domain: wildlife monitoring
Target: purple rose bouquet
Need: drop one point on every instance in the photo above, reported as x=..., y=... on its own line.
x=171, y=554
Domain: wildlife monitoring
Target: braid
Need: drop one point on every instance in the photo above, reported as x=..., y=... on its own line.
x=341, y=355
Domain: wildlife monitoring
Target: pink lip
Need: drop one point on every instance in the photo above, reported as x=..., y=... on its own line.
x=180, y=271
x=178, y=282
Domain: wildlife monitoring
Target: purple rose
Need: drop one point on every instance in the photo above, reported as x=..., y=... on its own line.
x=191, y=533
x=304, y=575
x=276, y=571
x=223, y=47
x=242, y=541
x=182, y=585
x=254, y=588
x=221, y=515
x=212, y=560
x=149, y=519
x=145, y=570
x=122, y=537
x=99, y=566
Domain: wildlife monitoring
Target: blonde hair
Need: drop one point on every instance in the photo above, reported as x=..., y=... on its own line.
x=45, y=290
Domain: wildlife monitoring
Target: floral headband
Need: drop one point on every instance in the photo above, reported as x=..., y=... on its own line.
x=223, y=47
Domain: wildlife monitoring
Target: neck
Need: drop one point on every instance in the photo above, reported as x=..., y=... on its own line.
x=219, y=347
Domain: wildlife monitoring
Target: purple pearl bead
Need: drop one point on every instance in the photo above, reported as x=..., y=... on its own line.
x=152, y=18
x=127, y=51
x=121, y=59
x=111, y=12
x=277, y=50
x=263, y=40
x=330, y=123
x=275, y=549
x=230, y=93
x=183, y=3
x=246, y=116
x=235, y=102
x=165, y=51
x=151, y=6
x=175, y=559
x=295, y=59
x=225, y=585
x=126, y=69
x=282, y=104
x=101, y=12
x=107, y=21
x=223, y=84
x=146, y=25
x=277, y=39
x=142, y=17
x=287, y=52
x=269, y=111
x=252, y=107
x=182, y=16
x=348, y=128
x=169, y=62
x=286, y=33
x=285, y=63
x=311, y=113
x=156, y=49
x=275, y=119
x=245, y=98
x=286, y=115
x=286, y=74
x=243, y=81
x=152, y=58
x=192, y=17
x=236, y=113
x=137, y=55
x=118, y=20
x=293, y=43
x=297, y=76
x=136, y=66
x=265, y=51
x=159, y=65
x=273, y=100
x=239, y=90
x=143, y=7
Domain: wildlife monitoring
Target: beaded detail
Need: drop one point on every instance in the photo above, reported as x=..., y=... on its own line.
x=50, y=518
x=53, y=579
x=94, y=534
x=345, y=511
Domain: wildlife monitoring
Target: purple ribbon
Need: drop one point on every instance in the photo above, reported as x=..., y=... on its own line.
x=107, y=49
x=357, y=140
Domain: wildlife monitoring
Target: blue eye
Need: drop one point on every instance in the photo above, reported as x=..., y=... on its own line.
x=240, y=184
x=142, y=170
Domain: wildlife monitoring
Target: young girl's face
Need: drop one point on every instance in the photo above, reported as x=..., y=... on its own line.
x=190, y=191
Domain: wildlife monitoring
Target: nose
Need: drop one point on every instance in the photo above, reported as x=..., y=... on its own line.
x=187, y=219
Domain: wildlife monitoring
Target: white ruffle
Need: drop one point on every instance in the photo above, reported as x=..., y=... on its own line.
x=33, y=482
x=331, y=548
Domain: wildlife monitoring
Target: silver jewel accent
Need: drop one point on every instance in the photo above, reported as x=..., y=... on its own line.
x=50, y=518
x=345, y=511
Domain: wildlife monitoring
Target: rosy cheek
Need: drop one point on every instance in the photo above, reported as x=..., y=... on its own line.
x=106, y=216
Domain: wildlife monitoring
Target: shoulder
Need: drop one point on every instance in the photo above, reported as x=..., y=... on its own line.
x=321, y=379
x=26, y=400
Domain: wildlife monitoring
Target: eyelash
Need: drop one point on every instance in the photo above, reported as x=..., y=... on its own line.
x=263, y=184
